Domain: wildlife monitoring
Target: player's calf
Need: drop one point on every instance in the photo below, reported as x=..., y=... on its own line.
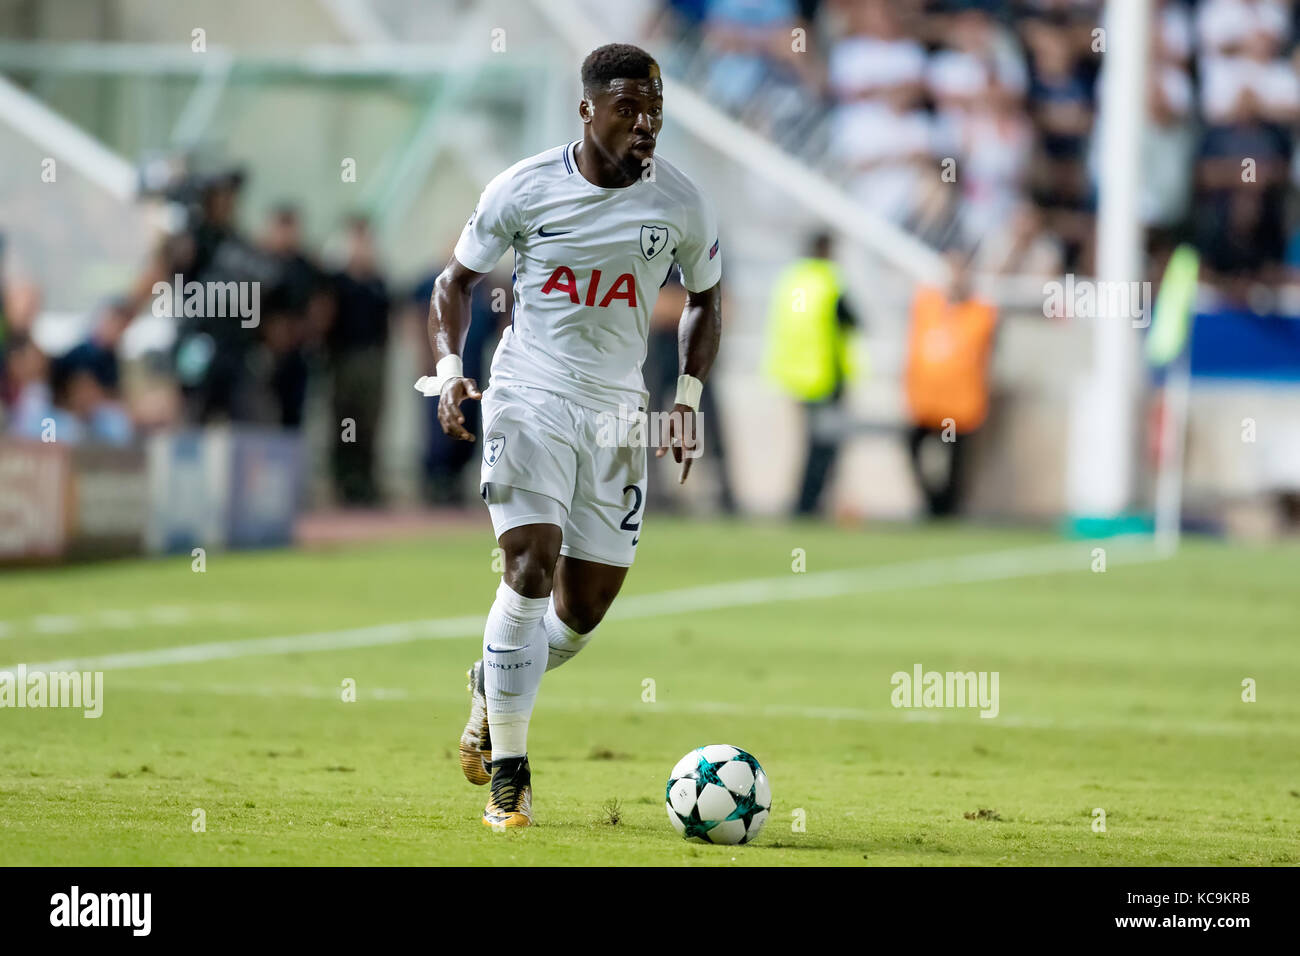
x=584, y=591
x=562, y=641
x=514, y=658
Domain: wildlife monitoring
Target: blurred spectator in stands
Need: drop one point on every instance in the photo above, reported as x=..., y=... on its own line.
x=661, y=371
x=950, y=342
x=295, y=308
x=679, y=19
x=77, y=407
x=753, y=66
x=1061, y=104
x=1174, y=32
x=1250, y=99
x=1230, y=28
x=876, y=60
x=445, y=458
x=996, y=150
x=100, y=347
x=1168, y=136
x=1240, y=216
x=1243, y=69
x=1025, y=248
x=4, y=303
x=26, y=376
x=20, y=303
x=879, y=132
x=977, y=80
x=1074, y=16
x=977, y=61
x=356, y=347
x=809, y=356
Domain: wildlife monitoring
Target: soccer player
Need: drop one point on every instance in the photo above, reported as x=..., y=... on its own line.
x=596, y=227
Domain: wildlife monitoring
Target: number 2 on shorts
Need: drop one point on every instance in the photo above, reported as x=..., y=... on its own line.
x=628, y=524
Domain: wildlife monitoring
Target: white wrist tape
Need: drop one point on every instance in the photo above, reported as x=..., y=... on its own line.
x=449, y=366
x=689, y=390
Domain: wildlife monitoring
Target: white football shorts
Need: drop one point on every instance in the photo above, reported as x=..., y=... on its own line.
x=539, y=443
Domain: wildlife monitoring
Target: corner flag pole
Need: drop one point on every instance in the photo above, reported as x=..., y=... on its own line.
x=1169, y=346
x=1169, y=470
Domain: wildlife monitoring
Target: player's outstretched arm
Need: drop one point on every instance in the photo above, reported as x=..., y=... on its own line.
x=698, y=335
x=449, y=317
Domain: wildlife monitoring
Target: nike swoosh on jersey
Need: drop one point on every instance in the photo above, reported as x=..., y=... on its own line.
x=546, y=235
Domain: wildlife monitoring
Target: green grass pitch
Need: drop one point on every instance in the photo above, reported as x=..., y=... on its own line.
x=1119, y=690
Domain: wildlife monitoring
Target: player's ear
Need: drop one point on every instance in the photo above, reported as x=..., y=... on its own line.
x=585, y=109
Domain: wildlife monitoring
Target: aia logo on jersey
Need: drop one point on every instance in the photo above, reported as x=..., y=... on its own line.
x=653, y=240
x=563, y=280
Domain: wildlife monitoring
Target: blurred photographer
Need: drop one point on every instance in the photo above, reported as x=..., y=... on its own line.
x=296, y=308
x=215, y=354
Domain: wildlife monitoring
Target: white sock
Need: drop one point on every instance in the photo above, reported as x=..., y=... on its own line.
x=514, y=646
x=562, y=641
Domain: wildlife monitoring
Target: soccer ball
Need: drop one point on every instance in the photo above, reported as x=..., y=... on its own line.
x=718, y=793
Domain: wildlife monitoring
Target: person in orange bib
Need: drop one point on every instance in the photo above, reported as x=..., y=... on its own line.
x=946, y=380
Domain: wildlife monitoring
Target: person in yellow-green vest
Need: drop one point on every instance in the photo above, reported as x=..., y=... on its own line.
x=810, y=358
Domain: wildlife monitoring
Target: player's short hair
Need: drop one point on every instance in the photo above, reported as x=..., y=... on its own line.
x=616, y=61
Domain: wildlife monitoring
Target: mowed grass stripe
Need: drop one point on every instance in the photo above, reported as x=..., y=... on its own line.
x=998, y=565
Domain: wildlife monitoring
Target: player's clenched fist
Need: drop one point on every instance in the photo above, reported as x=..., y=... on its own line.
x=452, y=419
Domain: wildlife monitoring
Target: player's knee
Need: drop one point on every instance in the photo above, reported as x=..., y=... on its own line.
x=529, y=561
x=528, y=573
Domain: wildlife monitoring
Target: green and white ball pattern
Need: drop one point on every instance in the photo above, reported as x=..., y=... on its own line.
x=720, y=794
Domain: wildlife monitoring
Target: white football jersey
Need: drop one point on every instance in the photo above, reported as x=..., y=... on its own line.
x=589, y=263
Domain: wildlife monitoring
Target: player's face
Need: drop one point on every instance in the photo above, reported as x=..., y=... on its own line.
x=626, y=117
